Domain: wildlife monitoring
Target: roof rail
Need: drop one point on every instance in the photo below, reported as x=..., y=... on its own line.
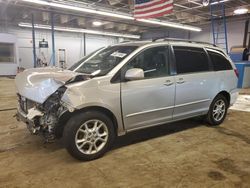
x=183, y=40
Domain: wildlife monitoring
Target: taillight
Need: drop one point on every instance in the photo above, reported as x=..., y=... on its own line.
x=236, y=73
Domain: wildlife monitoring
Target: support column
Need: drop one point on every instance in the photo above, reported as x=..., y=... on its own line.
x=84, y=44
x=53, y=39
x=33, y=40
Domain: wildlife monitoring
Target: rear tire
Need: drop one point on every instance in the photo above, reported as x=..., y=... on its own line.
x=218, y=110
x=88, y=135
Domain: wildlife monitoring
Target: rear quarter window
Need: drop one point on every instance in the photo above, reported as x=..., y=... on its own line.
x=219, y=61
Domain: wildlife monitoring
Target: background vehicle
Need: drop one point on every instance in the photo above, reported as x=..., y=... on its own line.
x=126, y=87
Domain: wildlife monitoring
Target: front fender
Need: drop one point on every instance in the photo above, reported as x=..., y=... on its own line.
x=97, y=92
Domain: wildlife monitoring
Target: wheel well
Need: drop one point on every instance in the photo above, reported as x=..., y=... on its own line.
x=226, y=95
x=67, y=115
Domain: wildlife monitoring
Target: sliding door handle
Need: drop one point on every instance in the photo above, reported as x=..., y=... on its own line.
x=168, y=83
x=180, y=81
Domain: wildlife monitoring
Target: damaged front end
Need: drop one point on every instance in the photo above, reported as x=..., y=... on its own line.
x=39, y=96
x=42, y=118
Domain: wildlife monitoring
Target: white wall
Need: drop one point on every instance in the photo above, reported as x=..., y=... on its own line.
x=235, y=34
x=72, y=42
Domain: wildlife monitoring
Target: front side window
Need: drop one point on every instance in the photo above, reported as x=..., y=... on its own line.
x=219, y=61
x=101, y=62
x=190, y=59
x=153, y=61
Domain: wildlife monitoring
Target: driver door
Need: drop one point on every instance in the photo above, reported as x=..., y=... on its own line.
x=149, y=101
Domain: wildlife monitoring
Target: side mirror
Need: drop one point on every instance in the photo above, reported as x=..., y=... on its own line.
x=134, y=74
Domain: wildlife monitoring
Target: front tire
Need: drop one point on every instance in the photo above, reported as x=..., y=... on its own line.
x=88, y=135
x=218, y=110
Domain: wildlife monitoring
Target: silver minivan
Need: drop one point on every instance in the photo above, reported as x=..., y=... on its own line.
x=123, y=88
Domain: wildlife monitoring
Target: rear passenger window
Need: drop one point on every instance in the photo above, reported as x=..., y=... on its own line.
x=219, y=61
x=190, y=59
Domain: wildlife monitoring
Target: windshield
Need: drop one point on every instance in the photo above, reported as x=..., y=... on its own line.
x=101, y=62
x=74, y=66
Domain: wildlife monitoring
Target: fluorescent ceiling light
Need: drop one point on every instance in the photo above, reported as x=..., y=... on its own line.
x=76, y=30
x=80, y=9
x=217, y=2
x=112, y=14
x=97, y=23
x=241, y=11
x=171, y=24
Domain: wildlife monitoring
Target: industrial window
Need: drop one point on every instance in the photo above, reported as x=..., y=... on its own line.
x=219, y=61
x=190, y=59
x=153, y=61
x=6, y=53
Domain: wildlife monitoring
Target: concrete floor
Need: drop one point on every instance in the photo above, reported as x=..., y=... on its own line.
x=183, y=154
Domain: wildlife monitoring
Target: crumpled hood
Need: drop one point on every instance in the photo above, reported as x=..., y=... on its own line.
x=37, y=84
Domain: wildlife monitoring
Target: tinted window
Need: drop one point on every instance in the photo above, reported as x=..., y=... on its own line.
x=190, y=59
x=153, y=61
x=219, y=61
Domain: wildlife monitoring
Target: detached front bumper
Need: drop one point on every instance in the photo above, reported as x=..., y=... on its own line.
x=29, y=119
x=41, y=119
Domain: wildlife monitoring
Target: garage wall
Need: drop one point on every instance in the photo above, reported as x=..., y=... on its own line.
x=72, y=42
x=235, y=34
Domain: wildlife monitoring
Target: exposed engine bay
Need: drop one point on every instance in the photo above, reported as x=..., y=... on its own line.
x=42, y=118
x=39, y=110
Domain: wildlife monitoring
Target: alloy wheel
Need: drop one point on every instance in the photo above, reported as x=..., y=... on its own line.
x=219, y=110
x=91, y=137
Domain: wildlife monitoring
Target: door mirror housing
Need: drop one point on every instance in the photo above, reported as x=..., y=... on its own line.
x=134, y=74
